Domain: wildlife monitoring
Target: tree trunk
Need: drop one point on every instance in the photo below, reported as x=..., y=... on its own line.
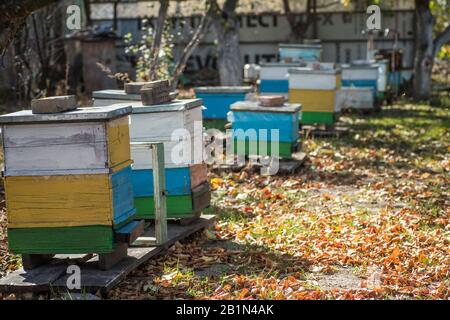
x=226, y=26
x=424, y=59
x=300, y=25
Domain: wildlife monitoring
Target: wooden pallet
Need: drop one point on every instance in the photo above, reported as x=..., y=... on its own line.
x=53, y=276
x=323, y=131
x=285, y=166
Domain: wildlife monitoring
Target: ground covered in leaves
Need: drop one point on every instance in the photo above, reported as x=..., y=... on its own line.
x=367, y=217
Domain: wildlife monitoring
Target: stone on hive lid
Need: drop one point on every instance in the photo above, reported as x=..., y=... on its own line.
x=134, y=87
x=155, y=92
x=54, y=104
x=271, y=101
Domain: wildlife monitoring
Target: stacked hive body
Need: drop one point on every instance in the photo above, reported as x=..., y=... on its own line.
x=274, y=78
x=361, y=75
x=67, y=179
x=382, y=79
x=355, y=98
x=217, y=101
x=178, y=124
x=316, y=91
x=300, y=52
x=252, y=125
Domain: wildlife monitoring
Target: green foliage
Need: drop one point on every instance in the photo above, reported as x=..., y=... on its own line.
x=142, y=50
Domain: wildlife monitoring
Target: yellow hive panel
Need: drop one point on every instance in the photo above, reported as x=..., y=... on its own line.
x=119, y=143
x=338, y=81
x=314, y=100
x=59, y=201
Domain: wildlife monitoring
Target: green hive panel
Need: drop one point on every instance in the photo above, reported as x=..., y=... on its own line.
x=88, y=239
x=215, y=124
x=327, y=118
x=177, y=207
x=286, y=149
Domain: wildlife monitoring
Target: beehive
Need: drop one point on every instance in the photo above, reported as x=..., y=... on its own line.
x=316, y=91
x=67, y=179
x=300, y=52
x=382, y=78
x=217, y=101
x=274, y=78
x=361, y=74
x=178, y=124
x=252, y=124
x=355, y=98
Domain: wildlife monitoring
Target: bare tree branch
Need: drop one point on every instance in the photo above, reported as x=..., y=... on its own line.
x=157, y=38
x=13, y=16
x=300, y=27
x=189, y=49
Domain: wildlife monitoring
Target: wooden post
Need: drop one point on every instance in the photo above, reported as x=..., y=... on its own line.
x=159, y=189
x=159, y=182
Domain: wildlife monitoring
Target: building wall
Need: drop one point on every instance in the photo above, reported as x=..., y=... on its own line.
x=260, y=34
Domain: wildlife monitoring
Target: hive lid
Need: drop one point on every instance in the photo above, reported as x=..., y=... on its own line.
x=256, y=107
x=300, y=46
x=121, y=95
x=174, y=105
x=283, y=64
x=314, y=71
x=356, y=89
x=360, y=65
x=237, y=89
x=78, y=115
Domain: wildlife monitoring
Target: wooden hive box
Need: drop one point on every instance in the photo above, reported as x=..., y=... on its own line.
x=217, y=101
x=67, y=179
x=382, y=78
x=355, y=98
x=186, y=178
x=274, y=78
x=300, y=52
x=316, y=91
x=252, y=125
x=361, y=74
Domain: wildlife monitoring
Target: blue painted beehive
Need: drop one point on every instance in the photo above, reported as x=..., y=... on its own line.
x=217, y=102
x=186, y=178
x=300, y=52
x=274, y=78
x=361, y=74
x=253, y=123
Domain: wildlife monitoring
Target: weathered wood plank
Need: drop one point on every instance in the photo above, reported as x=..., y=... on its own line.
x=62, y=146
x=93, y=279
x=159, y=184
x=201, y=197
x=36, y=280
x=130, y=232
x=31, y=261
x=175, y=231
x=198, y=174
x=46, y=194
x=107, y=260
x=164, y=124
